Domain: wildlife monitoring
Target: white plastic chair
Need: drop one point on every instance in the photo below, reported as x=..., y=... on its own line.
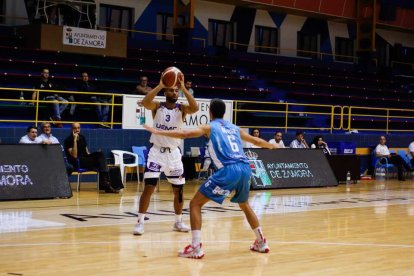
x=119, y=161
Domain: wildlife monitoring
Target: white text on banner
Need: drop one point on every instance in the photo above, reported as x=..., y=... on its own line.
x=84, y=37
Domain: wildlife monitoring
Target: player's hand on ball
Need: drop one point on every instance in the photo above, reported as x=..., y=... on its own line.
x=161, y=84
x=181, y=82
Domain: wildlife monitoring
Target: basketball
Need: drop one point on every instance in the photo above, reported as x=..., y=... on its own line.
x=171, y=77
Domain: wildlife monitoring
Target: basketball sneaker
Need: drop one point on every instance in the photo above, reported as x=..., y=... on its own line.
x=139, y=228
x=261, y=247
x=181, y=227
x=192, y=252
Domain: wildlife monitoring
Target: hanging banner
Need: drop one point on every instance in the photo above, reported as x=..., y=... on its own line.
x=84, y=37
x=134, y=116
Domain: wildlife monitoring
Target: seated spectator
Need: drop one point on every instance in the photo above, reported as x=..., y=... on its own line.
x=319, y=143
x=142, y=88
x=299, y=142
x=382, y=151
x=48, y=139
x=411, y=153
x=30, y=137
x=277, y=139
x=188, y=84
x=76, y=149
x=255, y=133
x=59, y=103
x=102, y=110
x=46, y=135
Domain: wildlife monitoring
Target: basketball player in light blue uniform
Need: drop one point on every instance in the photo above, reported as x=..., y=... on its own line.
x=233, y=174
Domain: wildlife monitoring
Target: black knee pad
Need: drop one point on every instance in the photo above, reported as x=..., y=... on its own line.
x=180, y=192
x=151, y=181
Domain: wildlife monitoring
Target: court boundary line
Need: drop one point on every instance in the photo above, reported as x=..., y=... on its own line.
x=321, y=243
x=204, y=218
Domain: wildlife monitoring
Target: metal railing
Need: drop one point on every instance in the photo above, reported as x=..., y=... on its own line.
x=247, y=114
x=306, y=54
x=380, y=119
x=38, y=101
x=394, y=64
x=288, y=116
x=172, y=36
x=284, y=115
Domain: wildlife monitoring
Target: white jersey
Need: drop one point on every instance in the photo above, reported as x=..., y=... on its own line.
x=167, y=119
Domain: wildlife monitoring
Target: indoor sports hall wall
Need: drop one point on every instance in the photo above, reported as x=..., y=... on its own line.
x=145, y=19
x=146, y=11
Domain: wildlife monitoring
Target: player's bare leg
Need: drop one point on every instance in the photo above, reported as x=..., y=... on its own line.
x=179, y=225
x=260, y=244
x=193, y=250
x=144, y=202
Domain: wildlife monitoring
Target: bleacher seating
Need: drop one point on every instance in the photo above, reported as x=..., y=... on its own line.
x=238, y=76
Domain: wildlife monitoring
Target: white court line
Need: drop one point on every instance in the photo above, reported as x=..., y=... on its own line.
x=235, y=241
x=222, y=215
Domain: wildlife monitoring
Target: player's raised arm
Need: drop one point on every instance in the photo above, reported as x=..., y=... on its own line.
x=257, y=141
x=148, y=101
x=192, y=106
x=182, y=134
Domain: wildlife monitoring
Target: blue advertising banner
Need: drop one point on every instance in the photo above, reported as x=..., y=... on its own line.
x=289, y=168
x=30, y=171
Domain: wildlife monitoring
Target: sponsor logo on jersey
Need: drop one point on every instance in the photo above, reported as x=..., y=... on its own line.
x=219, y=191
x=154, y=167
x=177, y=172
x=164, y=127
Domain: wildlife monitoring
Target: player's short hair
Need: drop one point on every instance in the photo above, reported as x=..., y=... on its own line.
x=217, y=108
x=29, y=128
x=45, y=124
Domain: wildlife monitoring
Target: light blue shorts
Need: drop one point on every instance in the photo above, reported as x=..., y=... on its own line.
x=227, y=179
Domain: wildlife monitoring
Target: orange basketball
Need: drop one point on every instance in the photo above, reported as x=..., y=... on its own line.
x=171, y=77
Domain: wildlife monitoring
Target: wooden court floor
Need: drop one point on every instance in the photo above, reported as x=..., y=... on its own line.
x=363, y=229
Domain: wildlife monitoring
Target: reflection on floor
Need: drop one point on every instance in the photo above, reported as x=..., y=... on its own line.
x=312, y=230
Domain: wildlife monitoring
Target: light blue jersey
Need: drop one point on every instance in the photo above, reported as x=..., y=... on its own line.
x=225, y=145
x=233, y=172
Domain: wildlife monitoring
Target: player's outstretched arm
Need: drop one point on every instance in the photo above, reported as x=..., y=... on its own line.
x=148, y=101
x=192, y=106
x=257, y=141
x=182, y=134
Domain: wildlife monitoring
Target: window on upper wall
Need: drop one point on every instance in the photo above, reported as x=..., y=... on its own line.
x=267, y=39
x=344, y=49
x=2, y=11
x=308, y=45
x=116, y=17
x=401, y=57
x=408, y=54
x=221, y=33
x=165, y=25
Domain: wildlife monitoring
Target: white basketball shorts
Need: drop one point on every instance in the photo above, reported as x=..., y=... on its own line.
x=167, y=161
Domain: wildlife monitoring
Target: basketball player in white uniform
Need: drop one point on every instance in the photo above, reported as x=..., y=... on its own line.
x=164, y=155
